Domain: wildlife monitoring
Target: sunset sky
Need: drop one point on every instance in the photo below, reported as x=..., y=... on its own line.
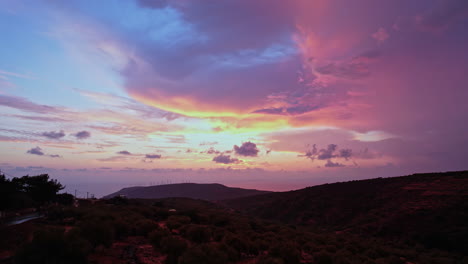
x=267, y=94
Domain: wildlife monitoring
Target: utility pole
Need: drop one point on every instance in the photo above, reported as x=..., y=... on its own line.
x=87, y=195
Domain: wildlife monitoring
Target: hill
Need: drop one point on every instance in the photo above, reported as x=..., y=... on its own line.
x=431, y=209
x=413, y=219
x=210, y=192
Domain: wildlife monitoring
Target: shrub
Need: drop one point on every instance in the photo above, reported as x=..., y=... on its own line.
x=198, y=234
x=156, y=236
x=286, y=251
x=205, y=253
x=323, y=258
x=270, y=260
x=52, y=246
x=177, y=221
x=97, y=233
x=174, y=247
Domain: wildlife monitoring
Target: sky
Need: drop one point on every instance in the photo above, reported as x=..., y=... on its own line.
x=266, y=94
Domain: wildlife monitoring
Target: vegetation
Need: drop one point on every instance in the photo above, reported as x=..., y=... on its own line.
x=186, y=231
x=29, y=191
x=428, y=209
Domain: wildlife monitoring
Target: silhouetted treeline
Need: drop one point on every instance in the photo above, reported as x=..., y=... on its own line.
x=30, y=191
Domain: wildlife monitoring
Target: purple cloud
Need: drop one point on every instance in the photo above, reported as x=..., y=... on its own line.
x=331, y=164
x=53, y=134
x=443, y=15
x=345, y=153
x=82, y=134
x=152, y=156
x=42, y=118
x=381, y=35
x=36, y=151
x=225, y=159
x=124, y=152
x=211, y=151
x=246, y=149
x=25, y=105
x=329, y=153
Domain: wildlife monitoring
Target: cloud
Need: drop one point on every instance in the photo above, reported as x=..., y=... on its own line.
x=208, y=143
x=291, y=110
x=346, y=153
x=327, y=153
x=36, y=151
x=124, y=152
x=26, y=105
x=367, y=154
x=381, y=35
x=331, y=164
x=53, y=134
x=443, y=15
x=113, y=159
x=150, y=157
x=82, y=134
x=248, y=149
x=225, y=159
x=153, y=156
x=211, y=151
x=42, y=118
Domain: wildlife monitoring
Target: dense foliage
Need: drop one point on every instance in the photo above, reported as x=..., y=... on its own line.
x=29, y=191
x=429, y=209
x=187, y=231
x=191, y=231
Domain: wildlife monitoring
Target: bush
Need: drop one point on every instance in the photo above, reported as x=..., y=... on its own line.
x=205, y=253
x=174, y=247
x=65, y=199
x=52, y=246
x=143, y=227
x=198, y=234
x=97, y=233
x=156, y=236
x=270, y=260
x=323, y=258
x=288, y=252
x=177, y=221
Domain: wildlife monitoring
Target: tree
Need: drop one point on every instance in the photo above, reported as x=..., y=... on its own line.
x=7, y=191
x=40, y=188
x=65, y=199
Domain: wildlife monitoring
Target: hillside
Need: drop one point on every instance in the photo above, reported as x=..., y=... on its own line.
x=428, y=208
x=210, y=192
x=419, y=219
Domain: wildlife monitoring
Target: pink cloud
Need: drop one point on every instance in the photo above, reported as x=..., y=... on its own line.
x=381, y=35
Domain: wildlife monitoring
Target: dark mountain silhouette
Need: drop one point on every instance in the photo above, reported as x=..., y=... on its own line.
x=429, y=208
x=211, y=192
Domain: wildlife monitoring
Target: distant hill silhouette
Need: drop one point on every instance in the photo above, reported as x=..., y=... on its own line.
x=430, y=208
x=211, y=192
